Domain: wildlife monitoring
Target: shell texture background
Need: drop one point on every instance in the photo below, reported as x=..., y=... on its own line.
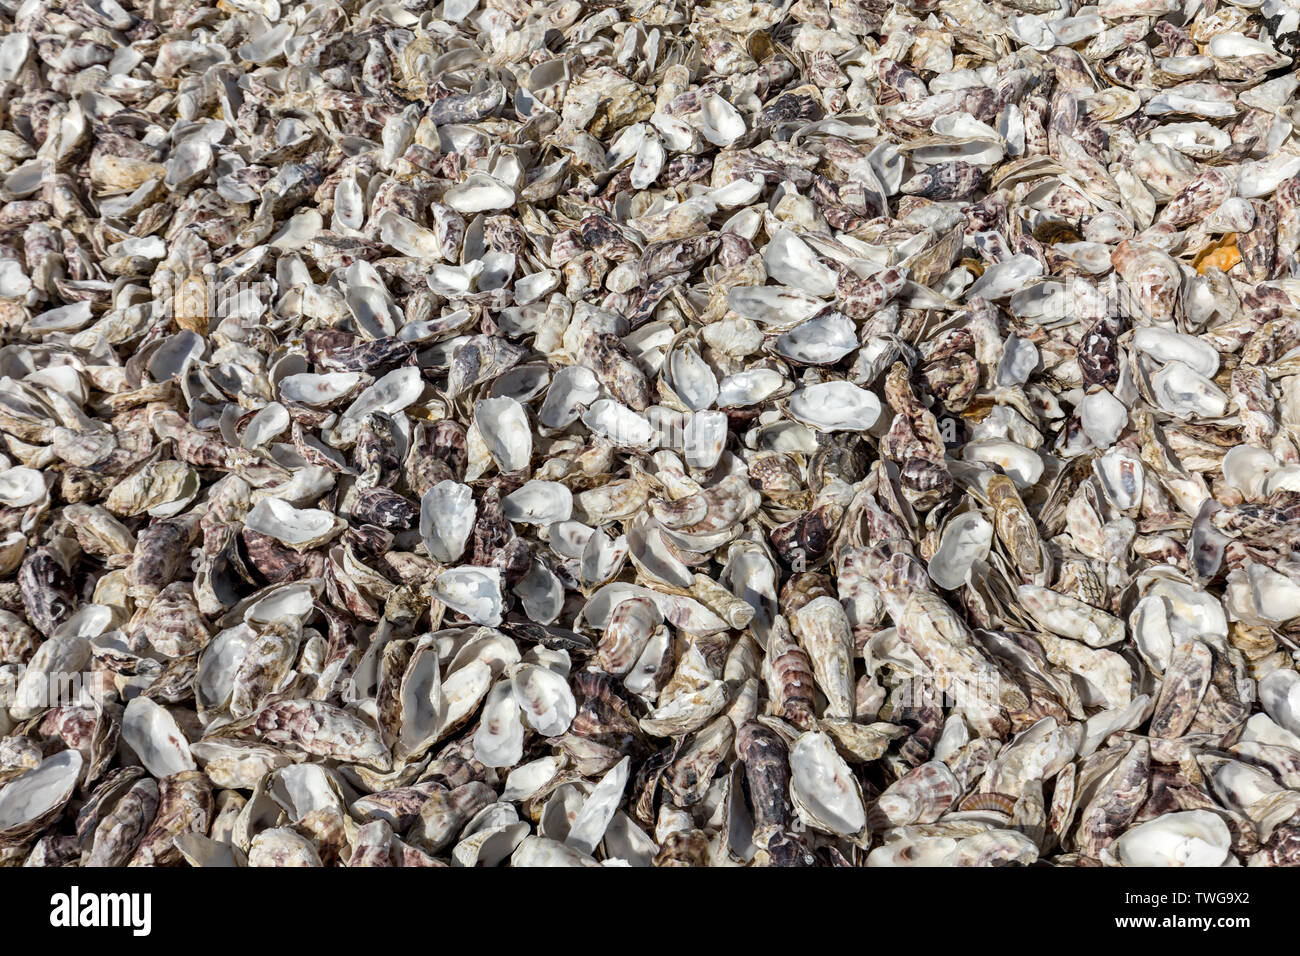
x=650, y=432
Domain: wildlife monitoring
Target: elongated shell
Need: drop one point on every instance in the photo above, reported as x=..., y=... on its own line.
x=825, y=793
x=824, y=632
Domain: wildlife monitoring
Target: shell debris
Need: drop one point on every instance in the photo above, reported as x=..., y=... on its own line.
x=649, y=432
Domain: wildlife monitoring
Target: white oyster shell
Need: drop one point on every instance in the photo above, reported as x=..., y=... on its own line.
x=835, y=406
x=300, y=528
x=474, y=592
x=825, y=793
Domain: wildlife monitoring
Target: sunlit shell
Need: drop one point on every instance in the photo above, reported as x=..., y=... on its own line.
x=965, y=541
x=299, y=528
x=504, y=428
x=499, y=741
x=545, y=699
x=155, y=738
x=835, y=406
x=822, y=340
x=474, y=592
x=538, y=502
x=1190, y=838
x=825, y=793
x=447, y=513
x=30, y=800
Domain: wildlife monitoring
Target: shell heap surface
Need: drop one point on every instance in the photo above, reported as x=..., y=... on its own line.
x=829, y=432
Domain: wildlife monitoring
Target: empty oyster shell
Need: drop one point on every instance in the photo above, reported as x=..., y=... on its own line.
x=965, y=542
x=447, y=513
x=538, y=502
x=21, y=487
x=474, y=592
x=825, y=793
x=28, y=803
x=155, y=737
x=835, y=406
x=499, y=741
x=300, y=528
x=1189, y=838
x=822, y=340
x=545, y=699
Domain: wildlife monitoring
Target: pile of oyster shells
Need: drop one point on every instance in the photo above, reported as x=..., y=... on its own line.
x=825, y=432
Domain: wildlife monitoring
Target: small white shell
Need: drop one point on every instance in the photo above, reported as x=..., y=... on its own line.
x=447, y=513
x=300, y=528
x=474, y=592
x=538, y=502
x=835, y=406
